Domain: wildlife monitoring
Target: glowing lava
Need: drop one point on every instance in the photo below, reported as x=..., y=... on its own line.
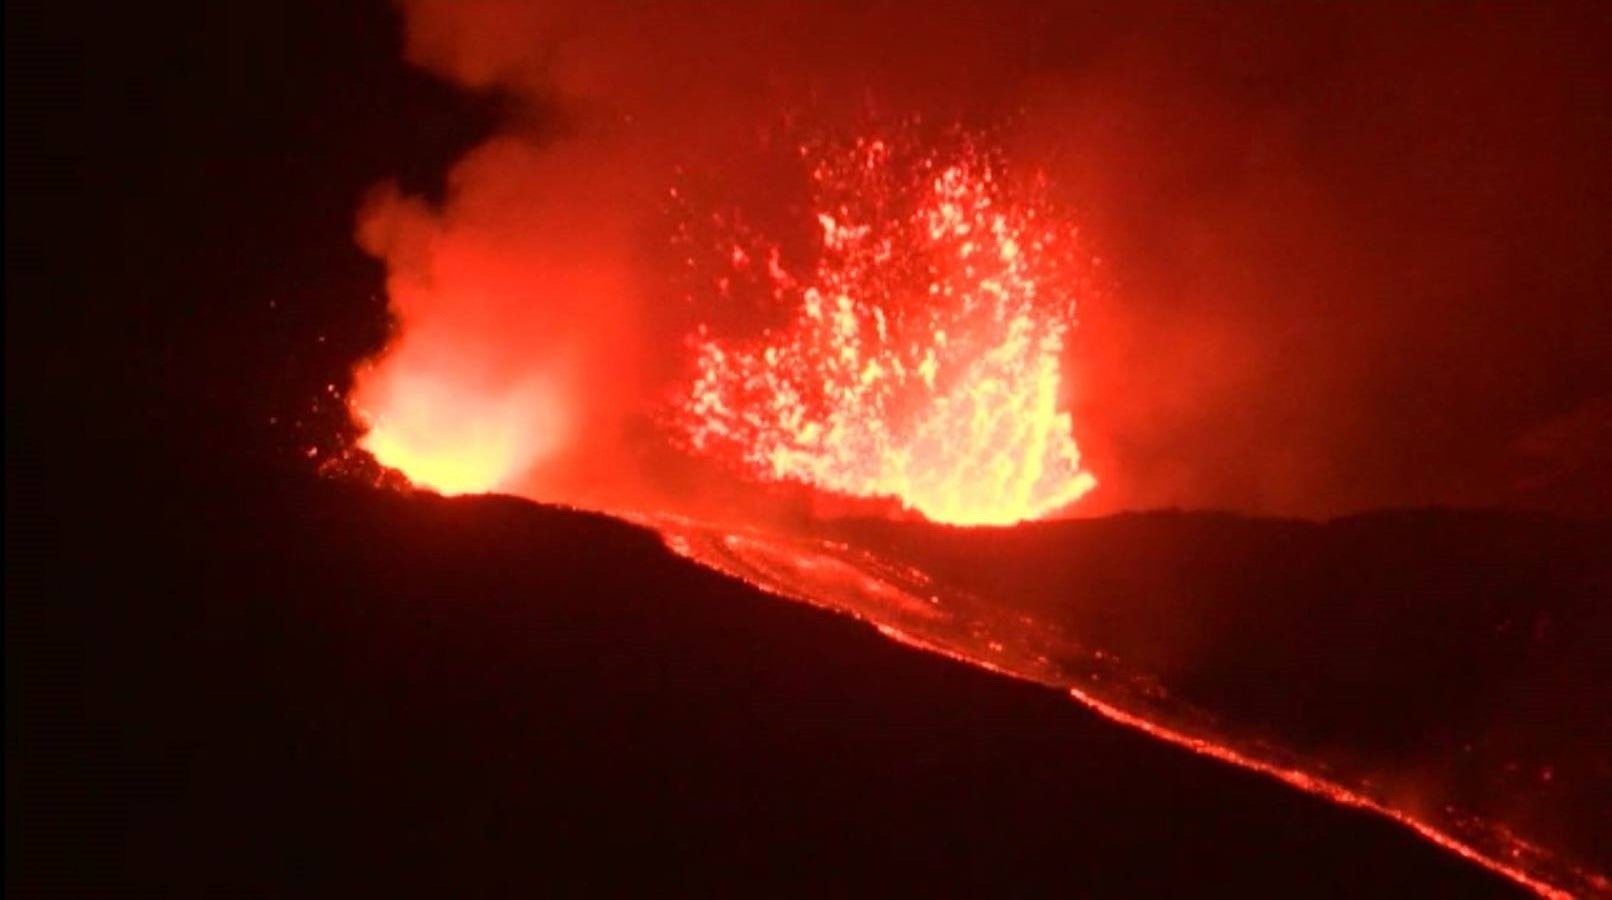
x=906, y=600
x=922, y=358
x=448, y=436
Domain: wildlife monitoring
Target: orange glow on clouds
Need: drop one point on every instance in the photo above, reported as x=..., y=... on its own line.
x=513, y=358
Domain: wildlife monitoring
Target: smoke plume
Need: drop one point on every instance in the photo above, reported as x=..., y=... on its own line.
x=1345, y=255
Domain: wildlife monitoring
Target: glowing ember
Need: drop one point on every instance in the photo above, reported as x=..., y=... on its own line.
x=922, y=359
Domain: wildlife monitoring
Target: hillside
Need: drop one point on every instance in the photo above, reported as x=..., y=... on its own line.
x=306, y=688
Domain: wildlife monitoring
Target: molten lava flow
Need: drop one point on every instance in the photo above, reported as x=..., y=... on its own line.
x=922, y=359
x=898, y=588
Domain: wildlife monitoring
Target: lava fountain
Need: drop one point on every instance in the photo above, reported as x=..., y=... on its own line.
x=912, y=352
x=921, y=358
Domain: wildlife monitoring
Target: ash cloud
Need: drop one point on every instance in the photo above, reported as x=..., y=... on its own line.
x=1352, y=255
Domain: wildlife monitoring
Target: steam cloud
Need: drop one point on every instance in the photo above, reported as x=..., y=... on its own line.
x=1351, y=255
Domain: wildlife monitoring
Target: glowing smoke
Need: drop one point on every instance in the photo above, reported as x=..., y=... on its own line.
x=530, y=355
x=1337, y=273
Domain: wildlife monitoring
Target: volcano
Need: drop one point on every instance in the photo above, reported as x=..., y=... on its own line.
x=328, y=689
x=1022, y=448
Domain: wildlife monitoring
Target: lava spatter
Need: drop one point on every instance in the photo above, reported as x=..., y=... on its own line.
x=922, y=355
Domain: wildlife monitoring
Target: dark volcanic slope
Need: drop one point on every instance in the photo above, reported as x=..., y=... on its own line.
x=334, y=692
x=1452, y=664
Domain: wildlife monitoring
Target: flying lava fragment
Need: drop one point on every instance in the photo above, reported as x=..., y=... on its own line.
x=921, y=357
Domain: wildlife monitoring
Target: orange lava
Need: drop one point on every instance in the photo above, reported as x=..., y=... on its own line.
x=1320, y=787
x=922, y=357
x=904, y=605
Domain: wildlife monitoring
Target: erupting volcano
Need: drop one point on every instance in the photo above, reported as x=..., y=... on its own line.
x=887, y=319
x=915, y=447
x=915, y=354
x=912, y=348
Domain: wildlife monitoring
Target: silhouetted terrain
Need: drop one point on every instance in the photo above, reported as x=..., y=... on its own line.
x=1453, y=663
x=312, y=689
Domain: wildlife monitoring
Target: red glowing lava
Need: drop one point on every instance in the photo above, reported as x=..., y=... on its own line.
x=922, y=357
x=914, y=605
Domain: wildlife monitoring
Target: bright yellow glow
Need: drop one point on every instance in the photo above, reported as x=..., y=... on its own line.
x=453, y=438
